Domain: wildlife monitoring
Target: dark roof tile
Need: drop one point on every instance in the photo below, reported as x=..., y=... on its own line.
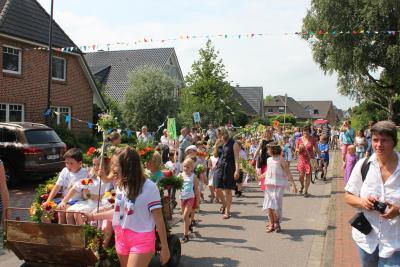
x=251, y=98
x=28, y=20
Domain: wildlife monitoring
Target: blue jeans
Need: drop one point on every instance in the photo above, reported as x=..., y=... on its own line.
x=373, y=260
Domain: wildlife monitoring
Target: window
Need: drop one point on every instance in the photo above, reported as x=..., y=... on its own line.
x=11, y=112
x=35, y=137
x=270, y=110
x=281, y=109
x=316, y=112
x=59, y=69
x=11, y=60
x=7, y=135
x=60, y=117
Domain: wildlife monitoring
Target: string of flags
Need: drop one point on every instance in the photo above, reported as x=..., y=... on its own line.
x=146, y=40
x=90, y=125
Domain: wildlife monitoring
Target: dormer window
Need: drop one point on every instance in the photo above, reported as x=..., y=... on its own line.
x=316, y=112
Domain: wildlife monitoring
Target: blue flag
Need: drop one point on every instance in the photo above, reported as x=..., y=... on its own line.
x=67, y=119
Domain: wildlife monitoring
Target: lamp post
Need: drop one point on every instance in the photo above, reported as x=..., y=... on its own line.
x=50, y=64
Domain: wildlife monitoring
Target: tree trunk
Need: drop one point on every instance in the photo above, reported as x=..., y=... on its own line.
x=390, y=108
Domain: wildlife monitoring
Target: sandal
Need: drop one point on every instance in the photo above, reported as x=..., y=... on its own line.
x=222, y=210
x=185, y=239
x=278, y=228
x=301, y=190
x=227, y=216
x=270, y=229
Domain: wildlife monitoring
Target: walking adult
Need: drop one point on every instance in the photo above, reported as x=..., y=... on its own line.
x=144, y=135
x=165, y=146
x=306, y=147
x=184, y=142
x=348, y=137
x=211, y=133
x=227, y=169
x=381, y=246
x=367, y=134
x=4, y=202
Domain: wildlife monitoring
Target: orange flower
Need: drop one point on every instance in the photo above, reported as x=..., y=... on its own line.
x=148, y=149
x=141, y=153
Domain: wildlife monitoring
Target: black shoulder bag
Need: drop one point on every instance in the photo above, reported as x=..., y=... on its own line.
x=359, y=221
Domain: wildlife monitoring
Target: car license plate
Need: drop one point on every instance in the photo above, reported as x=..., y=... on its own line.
x=56, y=156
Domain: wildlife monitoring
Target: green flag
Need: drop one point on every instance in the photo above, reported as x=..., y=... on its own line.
x=172, y=128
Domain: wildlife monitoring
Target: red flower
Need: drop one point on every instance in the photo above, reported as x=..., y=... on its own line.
x=90, y=181
x=111, y=200
x=47, y=207
x=141, y=153
x=113, y=194
x=148, y=149
x=44, y=196
x=90, y=151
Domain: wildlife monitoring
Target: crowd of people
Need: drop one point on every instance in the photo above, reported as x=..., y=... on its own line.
x=224, y=160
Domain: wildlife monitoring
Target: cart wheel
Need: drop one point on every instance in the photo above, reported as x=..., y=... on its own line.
x=174, y=245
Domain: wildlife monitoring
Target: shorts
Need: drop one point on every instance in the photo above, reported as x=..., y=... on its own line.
x=128, y=241
x=187, y=202
x=324, y=162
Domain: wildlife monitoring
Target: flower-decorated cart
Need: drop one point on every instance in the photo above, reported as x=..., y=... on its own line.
x=39, y=240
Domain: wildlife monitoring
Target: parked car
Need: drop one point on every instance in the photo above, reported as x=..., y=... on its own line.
x=30, y=150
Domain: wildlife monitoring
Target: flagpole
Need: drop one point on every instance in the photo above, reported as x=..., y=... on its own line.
x=50, y=62
x=284, y=116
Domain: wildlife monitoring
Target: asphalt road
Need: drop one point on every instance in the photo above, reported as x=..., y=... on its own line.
x=242, y=240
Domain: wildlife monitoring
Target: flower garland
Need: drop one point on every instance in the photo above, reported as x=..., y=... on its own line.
x=145, y=151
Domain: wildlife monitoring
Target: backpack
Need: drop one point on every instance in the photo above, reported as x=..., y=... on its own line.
x=365, y=168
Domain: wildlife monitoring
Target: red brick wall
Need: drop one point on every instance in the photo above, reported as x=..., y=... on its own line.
x=30, y=88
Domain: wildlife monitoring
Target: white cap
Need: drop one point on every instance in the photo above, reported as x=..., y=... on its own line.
x=191, y=147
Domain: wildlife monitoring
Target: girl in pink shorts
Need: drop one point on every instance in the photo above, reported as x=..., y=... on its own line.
x=190, y=194
x=136, y=213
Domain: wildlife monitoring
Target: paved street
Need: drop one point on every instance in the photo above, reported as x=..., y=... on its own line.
x=242, y=240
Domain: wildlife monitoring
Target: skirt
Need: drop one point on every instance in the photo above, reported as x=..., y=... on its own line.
x=273, y=196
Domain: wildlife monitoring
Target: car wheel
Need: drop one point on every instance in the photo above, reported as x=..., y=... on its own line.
x=11, y=177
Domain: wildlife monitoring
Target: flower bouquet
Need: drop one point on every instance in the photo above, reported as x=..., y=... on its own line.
x=107, y=121
x=145, y=151
x=44, y=213
x=85, y=184
x=248, y=168
x=108, y=199
x=199, y=169
x=202, y=154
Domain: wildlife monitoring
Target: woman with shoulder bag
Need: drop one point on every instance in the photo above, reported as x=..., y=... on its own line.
x=378, y=197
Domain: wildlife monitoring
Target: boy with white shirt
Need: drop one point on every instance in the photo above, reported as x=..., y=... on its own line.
x=71, y=174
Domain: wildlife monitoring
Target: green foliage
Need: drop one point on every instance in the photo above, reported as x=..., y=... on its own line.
x=149, y=99
x=398, y=138
x=365, y=112
x=263, y=121
x=288, y=118
x=368, y=64
x=207, y=91
x=71, y=140
x=268, y=99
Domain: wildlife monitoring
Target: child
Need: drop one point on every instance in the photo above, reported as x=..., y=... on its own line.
x=154, y=166
x=323, y=147
x=171, y=163
x=72, y=173
x=351, y=160
x=89, y=188
x=136, y=214
x=276, y=181
x=361, y=144
x=189, y=195
x=212, y=164
x=287, y=150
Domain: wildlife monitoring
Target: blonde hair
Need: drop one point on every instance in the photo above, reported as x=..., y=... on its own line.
x=351, y=148
x=156, y=160
x=188, y=161
x=224, y=132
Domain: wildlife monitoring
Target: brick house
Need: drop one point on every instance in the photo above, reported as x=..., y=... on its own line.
x=24, y=70
x=276, y=106
x=320, y=110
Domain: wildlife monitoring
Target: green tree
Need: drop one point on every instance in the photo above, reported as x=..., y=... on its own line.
x=355, y=40
x=288, y=118
x=149, y=99
x=268, y=99
x=207, y=91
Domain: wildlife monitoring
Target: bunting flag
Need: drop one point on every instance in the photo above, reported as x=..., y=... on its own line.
x=240, y=36
x=67, y=119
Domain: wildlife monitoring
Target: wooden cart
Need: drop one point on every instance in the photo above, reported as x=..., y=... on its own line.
x=61, y=245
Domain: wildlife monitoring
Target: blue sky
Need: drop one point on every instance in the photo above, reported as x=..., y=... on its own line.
x=278, y=62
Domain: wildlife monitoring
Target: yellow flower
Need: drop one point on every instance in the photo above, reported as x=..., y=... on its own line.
x=49, y=187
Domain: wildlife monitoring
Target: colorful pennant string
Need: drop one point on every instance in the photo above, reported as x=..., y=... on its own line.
x=107, y=46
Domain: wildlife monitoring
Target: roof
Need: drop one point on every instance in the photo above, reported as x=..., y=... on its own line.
x=321, y=106
x=292, y=106
x=28, y=20
x=251, y=99
x=113, y=67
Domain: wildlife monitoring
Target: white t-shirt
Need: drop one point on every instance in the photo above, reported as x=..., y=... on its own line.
x=66, y=179
x=188, y=184
x=360, y=144
x=136, y=214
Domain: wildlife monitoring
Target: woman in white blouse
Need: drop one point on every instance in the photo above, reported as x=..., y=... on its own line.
x=381, y=247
